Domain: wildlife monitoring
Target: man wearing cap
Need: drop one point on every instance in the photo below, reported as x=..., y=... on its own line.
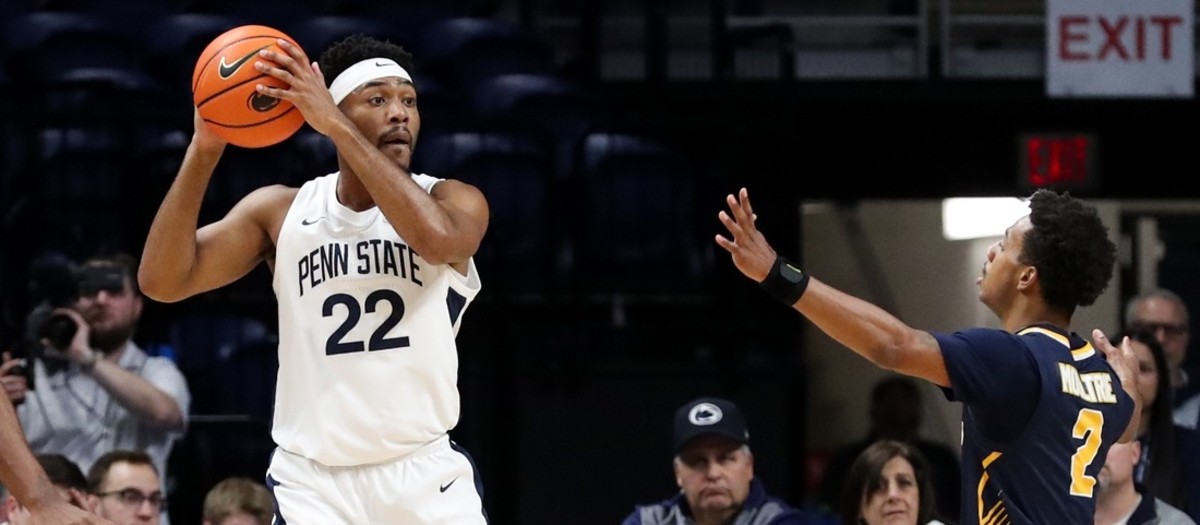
x=372, y=273
x=714, y=469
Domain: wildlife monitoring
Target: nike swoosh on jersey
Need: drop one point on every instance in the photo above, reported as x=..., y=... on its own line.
x=310, y=222
x=447, y=486
x=227, y=70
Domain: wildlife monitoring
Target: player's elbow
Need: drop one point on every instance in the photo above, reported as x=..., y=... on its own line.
x=896, y=352
x=156, y=286
x=888, y=357
x=443, y=248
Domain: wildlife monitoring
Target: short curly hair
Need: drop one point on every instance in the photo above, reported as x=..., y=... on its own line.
x=1070, y=248
x=356, y=48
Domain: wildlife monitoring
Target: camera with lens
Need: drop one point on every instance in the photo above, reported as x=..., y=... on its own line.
x=57, y=283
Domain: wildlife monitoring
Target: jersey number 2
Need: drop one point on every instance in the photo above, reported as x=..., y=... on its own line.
x=1087, y=427
x=334, y=345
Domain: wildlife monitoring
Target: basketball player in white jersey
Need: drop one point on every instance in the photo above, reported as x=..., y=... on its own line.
x=372, y=271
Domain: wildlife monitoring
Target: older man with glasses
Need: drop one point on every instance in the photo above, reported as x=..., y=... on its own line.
x=126, y=489
x=1163, y=313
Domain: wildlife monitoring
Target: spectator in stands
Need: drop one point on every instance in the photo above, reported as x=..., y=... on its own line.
x=66, y=478
x=1121, y=501
x=125, y=488
x=101, y=392
x=895, y=413
x=238, y=501
x=1163, y=313
x=1158, y=468
x=714, y=469
x=888, y=483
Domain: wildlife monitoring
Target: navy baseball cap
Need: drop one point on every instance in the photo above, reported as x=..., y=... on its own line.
x=709, y=415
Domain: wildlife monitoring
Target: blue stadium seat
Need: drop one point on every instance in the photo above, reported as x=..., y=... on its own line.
x=317, y=151
x=638, y=236
x=242, y=171
x=174, y=43
x=467, y=51
x=24, y=35
x=407, y=19
x=114, y=96
x=246, y=379
x=441, y=108
x=204, y=337
x=129, y=16
x=77, y=197
x=273, y=13
x=512, y=167
x=316, y=34
x=560, y=108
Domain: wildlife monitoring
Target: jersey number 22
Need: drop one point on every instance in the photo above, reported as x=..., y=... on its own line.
x=335, y=345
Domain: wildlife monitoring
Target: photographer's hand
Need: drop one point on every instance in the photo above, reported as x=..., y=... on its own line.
x=12, y=379
x=149, y=403
x=80, y=350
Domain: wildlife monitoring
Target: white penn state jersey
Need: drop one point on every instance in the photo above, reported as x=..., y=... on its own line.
x=368, y=366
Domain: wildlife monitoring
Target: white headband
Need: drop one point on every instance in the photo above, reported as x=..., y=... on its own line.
x=363, y=72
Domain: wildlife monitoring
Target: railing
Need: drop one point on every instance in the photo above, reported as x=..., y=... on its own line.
x=955, y=39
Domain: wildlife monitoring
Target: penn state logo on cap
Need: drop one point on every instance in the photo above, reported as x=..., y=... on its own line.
x=709, y=416
x=704, y=414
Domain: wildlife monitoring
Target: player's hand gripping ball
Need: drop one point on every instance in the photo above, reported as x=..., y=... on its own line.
x=223, y=89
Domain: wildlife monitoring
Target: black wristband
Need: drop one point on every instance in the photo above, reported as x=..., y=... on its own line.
x=785, y=281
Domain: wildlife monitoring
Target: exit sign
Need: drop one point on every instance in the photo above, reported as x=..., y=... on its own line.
x=1060, y=161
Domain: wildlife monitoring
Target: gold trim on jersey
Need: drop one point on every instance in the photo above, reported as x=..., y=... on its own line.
x=995, y=515
x=1079, y=354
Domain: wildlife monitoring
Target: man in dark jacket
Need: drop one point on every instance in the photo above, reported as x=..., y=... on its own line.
x=714, y=469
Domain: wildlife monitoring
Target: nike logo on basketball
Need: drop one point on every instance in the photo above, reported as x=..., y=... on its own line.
x=310, y=222
x=227, y=70
x=446, y=486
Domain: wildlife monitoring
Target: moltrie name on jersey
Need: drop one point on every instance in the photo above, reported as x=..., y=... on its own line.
x=374, y=256
x=1093, y=387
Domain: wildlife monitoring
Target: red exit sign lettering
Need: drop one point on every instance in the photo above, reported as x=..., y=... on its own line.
x=1061, y=161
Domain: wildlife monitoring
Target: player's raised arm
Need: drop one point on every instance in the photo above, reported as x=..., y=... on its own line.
x=446, y=225
x=180, y=260
x=863, y=327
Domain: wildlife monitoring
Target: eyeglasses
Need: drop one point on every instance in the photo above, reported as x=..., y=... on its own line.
x=135, y=497
x=1168, y=329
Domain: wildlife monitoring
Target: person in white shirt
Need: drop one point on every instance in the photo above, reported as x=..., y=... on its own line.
x=100, y=392
x=1119, y=501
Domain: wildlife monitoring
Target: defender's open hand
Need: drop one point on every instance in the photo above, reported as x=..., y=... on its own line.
x=751, y=253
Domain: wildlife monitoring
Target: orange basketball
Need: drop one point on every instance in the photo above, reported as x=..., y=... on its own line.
x=223, y=89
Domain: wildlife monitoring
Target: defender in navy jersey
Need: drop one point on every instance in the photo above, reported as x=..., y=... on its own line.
x=1040, y=405
x=372, y=271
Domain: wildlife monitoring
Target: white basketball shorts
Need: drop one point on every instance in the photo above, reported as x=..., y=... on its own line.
x=437, y=484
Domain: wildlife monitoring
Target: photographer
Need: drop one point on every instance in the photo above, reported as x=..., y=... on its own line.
x=94, y=390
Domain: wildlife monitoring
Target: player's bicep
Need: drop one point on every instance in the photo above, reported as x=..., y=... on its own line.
x=228, y=249
x=468, y=211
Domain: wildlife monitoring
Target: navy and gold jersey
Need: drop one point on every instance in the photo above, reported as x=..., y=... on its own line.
x=1040, y=409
